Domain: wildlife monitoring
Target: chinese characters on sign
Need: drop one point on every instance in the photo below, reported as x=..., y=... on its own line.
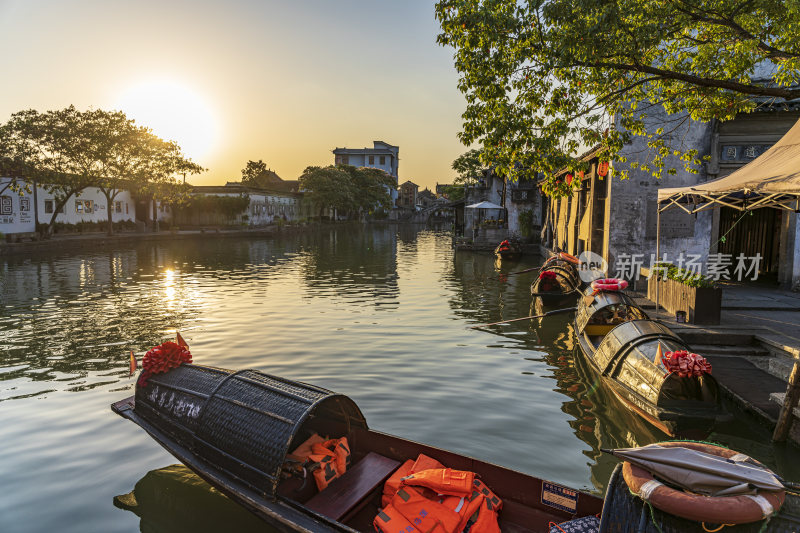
x=5, y=206
x=25, y=216
x=718, y=266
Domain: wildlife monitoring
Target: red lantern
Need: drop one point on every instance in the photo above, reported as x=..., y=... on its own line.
x=602, y=169
x=569, y=179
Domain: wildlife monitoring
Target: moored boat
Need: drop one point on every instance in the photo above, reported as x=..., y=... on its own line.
x=237, y=431
x=509, y=250
x=628, y=351
x=558, y=281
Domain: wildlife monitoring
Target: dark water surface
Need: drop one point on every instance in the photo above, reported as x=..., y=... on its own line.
x=379, y=314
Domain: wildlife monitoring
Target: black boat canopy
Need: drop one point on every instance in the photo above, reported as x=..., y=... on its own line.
x=602, y=302
x=245, y=422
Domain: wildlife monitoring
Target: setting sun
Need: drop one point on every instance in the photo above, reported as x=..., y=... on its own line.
x=174, y=112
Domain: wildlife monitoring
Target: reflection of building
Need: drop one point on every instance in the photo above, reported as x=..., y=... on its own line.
x=383, y=156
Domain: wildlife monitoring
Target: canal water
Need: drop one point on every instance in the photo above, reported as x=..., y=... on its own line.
x=380, y=314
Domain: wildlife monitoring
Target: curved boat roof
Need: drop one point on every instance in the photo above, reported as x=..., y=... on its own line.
x=600, y=301
x=245, y=421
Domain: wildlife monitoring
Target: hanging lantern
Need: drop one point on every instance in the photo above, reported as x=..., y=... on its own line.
x=602, y=169
x=569, y=179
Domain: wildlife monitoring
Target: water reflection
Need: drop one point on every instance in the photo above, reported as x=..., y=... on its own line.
x=379, y=314
x=173, y=499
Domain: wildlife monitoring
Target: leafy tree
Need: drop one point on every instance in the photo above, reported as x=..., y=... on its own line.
x=57, y=148
x=69, y=150
x=372, y=187
x=146, y=165
x=256, y=174
x=547, y=78
x=327, y=187
x=454, y=193
x=469, y=167
x=252, y=171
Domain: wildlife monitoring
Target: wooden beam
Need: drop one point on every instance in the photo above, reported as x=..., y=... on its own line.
x=786, y=417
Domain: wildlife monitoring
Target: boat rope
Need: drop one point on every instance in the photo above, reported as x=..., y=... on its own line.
x=715, y=530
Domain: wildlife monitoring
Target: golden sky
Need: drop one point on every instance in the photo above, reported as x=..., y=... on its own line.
x=285, y=81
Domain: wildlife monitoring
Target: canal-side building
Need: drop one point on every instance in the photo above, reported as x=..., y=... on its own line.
x=408, y=195
x=617, y=218
x=382, y=155
x=20, y=211
x=265, y=206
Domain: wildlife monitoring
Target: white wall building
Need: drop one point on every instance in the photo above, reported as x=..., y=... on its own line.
x=383, y=156
x=19, y=212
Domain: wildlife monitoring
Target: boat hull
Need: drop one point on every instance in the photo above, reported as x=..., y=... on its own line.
x=675, y=422
x=523, y=508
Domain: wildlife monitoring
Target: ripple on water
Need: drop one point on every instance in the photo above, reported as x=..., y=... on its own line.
x=379, y=314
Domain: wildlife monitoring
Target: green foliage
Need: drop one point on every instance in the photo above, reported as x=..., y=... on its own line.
x=227, y=206
x=526, y=222
x=682, y=275
x=544, y=80
x=469, y=166
x=252, y=171
x=454, y=193
x=90, y=226
x=68, y=150
x=347, y=188
x=256, y=174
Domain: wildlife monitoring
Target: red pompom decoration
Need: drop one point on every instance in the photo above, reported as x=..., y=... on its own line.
x=160, y=359
x=686, y=364
x=548, y=274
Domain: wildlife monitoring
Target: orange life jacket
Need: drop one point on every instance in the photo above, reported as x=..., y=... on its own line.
x=443, y=481
x=392, y=485
x=465, y=494
x=423, y=514
x=328, y=459
x=445, y=493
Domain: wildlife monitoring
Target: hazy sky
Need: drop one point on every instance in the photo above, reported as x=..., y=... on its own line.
x=285, y=81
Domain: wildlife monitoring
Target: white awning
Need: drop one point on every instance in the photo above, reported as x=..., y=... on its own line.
x=770, y=180
x=484, y=205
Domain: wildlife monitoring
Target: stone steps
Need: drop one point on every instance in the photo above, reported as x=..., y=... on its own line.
x=719, y=349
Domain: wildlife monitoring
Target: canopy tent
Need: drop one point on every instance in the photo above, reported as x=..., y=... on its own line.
x=770, y=180
x=484, y=205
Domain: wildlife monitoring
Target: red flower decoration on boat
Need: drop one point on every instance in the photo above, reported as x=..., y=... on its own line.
x=548, y=274
x=163, y=358
x=686, y=364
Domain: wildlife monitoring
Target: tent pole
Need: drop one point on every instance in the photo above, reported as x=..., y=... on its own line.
x=658, y=251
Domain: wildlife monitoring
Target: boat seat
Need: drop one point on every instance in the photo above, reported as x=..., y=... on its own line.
x=600, y=330
x=345, y=493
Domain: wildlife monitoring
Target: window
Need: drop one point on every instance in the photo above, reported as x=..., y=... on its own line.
x=372, y=160
x=383, y=160
x=48, y=207
x=84, y=206
x=345, y=159
x=118, y=207
x=126, y=208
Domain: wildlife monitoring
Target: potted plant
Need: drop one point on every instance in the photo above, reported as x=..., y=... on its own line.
x=680, y=290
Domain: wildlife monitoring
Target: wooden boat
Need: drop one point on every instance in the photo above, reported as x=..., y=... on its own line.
x=620, y=343
x=508, y=250
x=558, y=282
x=234, y=429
